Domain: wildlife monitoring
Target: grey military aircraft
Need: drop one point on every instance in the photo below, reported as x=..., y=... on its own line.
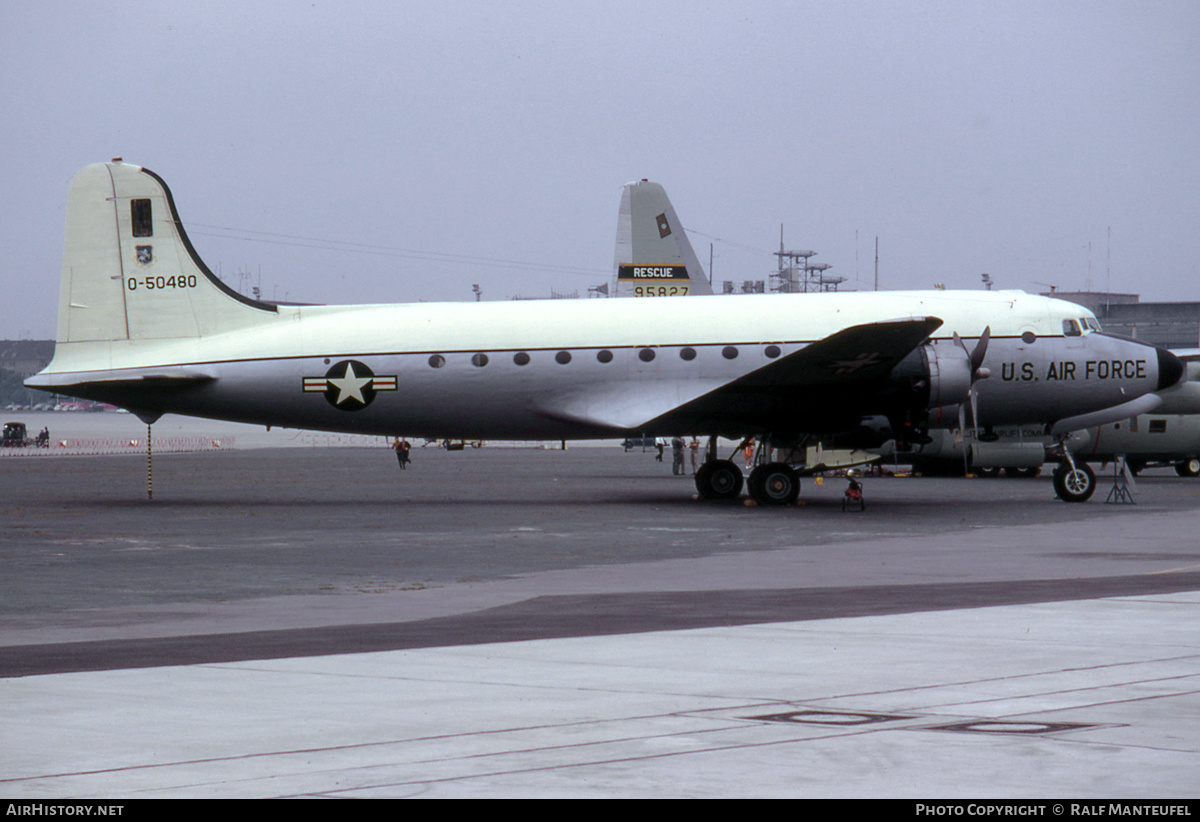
x=145, y=325
x=1147, y=441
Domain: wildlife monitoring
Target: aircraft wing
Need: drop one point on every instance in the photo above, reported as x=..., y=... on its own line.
x=836, y=375
x=129, y=388
x=163, y=376
x=853, y=356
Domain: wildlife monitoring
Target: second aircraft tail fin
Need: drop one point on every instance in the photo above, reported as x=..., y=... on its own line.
x=654, y=257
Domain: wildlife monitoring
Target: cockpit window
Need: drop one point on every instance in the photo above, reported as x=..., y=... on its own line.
x=1092, y=323
x=1072, y=329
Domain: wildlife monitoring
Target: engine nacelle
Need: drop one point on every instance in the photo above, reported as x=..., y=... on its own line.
x=938, y=374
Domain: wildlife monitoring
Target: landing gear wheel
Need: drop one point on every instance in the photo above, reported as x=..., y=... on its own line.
x=1074, y=484
x=719, y=479
x=774, y=484
x=1189, y=467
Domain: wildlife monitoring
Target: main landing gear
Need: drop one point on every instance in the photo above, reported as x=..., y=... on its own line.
x=719, y=479
x=772, y=483
x=775, y=483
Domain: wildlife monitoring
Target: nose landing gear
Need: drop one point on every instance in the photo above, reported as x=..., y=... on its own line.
x=1074, y=483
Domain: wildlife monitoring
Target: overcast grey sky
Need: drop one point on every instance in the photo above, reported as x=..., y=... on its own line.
x=347, y=152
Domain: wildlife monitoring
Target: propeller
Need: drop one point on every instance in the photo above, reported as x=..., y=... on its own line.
x=978, y=372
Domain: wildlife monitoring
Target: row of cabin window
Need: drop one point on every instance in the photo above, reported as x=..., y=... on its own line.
x=729, y=352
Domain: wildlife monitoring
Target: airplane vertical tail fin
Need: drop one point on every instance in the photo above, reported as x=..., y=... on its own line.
x=654, y=257
x=129, y=270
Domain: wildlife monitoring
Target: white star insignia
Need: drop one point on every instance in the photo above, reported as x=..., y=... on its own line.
x=349, y=386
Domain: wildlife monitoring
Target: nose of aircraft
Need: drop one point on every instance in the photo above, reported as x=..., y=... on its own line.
x=1170, y=368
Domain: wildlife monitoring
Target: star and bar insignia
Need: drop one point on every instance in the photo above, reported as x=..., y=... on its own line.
x=349, y=385
x=864, y=360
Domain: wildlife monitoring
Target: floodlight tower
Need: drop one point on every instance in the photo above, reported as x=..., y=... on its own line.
x=793, y=270
x=821, y=282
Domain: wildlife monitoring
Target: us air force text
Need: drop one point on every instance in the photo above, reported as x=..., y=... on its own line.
x=1066, y=370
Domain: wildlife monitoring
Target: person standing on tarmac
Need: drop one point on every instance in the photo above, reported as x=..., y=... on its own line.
x=676, y=456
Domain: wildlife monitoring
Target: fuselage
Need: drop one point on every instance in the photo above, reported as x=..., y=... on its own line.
x=582, y=368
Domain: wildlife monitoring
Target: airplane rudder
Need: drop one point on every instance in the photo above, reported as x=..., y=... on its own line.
x=654, y=256
x=168, y=290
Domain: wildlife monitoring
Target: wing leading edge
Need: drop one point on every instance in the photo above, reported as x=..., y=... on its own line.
x=839, y=375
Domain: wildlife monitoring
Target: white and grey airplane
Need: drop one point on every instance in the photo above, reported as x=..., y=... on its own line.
x=145, y=325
